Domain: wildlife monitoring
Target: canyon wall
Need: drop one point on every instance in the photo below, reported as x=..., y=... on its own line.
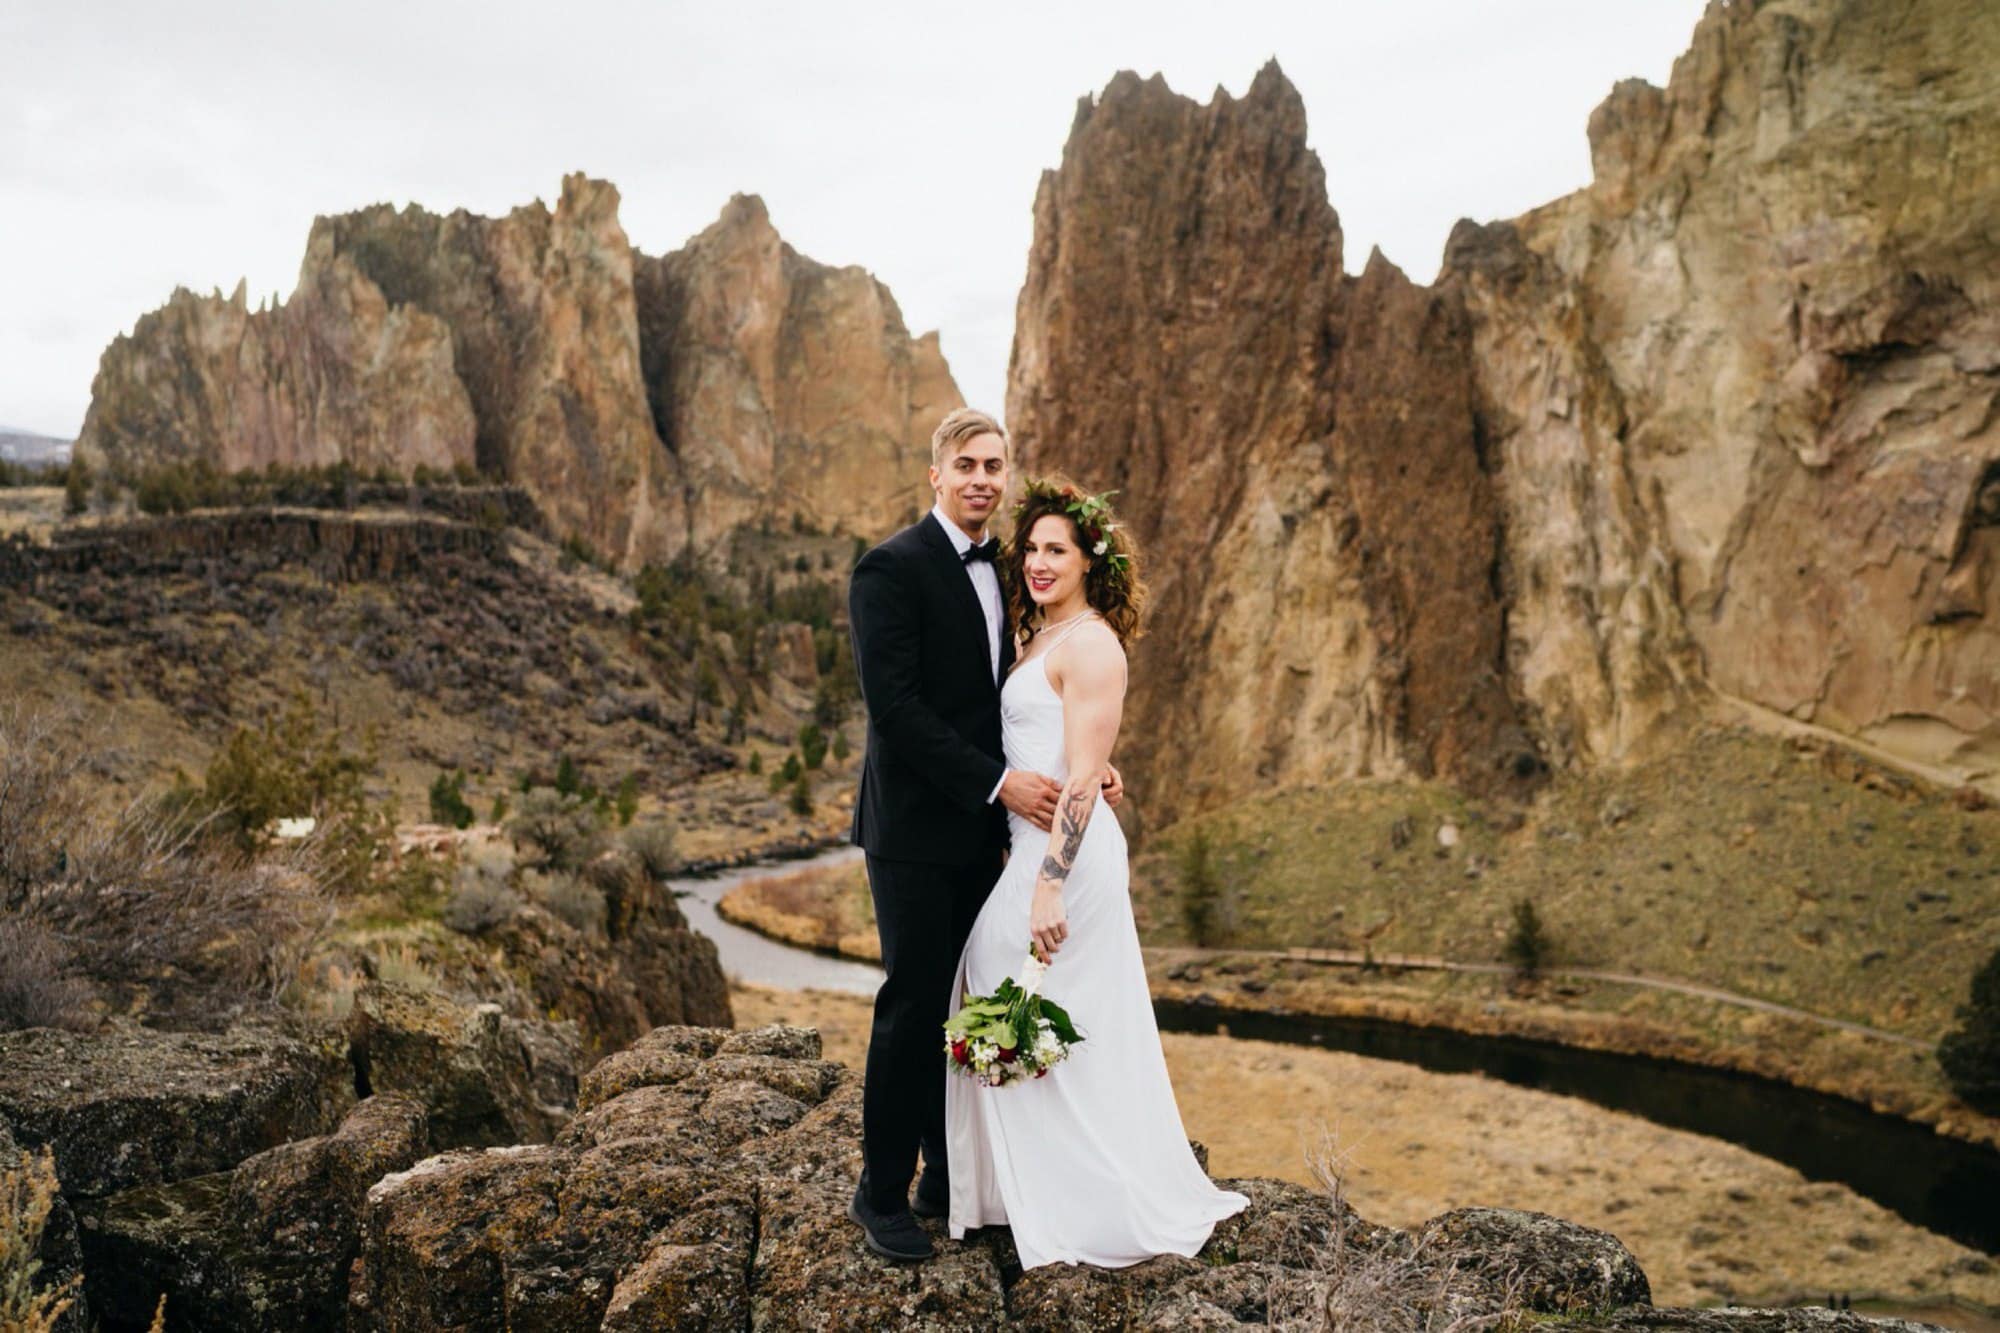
x=646, y=403
x=1295, y=450
x=1723, y=421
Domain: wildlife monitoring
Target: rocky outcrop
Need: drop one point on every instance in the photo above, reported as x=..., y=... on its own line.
x=340, y=548
x=334, y=374
x=132, y=1106
x=545, y=335
x=1296, y=451
x=648, y=967
x=784, y=386
x=266, y=1245
x=647, y=404
x=1723, y=421
x=483, y=1077
x=703, y=1183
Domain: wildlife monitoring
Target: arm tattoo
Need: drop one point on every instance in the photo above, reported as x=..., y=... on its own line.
x=1077, y=804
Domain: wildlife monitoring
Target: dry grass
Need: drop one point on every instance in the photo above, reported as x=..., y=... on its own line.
x=1389, y=1288
x=1788, y=871
x=27, y=1194
x=1711, y=1223
x=141, y=900
x=827, y=908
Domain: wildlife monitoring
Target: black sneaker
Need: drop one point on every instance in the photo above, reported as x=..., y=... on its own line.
x=933, y=1195
x=891, y=1235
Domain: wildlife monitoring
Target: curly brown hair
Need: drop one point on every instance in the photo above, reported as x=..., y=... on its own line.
x=1111, y=581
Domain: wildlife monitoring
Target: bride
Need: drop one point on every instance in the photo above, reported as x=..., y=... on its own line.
x=1091, y=1164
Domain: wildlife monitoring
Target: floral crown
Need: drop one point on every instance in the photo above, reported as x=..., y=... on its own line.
x=1090, y=513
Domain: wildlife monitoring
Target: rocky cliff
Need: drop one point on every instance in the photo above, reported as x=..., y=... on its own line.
x=1296, y=448
x=1722, y=421
x=645, y=403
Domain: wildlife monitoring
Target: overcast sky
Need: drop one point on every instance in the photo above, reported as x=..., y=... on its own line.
x=144, y=145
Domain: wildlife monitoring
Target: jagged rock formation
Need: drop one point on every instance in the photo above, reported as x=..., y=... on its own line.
x=1296, y=450
x=782, y=383
x=647, y=404
x=1724, y=419
x=702, y=1183
x=335, y=373
x=1740, y=391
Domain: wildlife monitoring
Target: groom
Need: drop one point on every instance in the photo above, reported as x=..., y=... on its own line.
x=931, y=645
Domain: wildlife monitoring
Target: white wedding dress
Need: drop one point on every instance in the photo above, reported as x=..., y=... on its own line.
x=1090, y=1164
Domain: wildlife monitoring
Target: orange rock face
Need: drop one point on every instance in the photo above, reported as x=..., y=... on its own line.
x=646, y=403
x=1723, y=422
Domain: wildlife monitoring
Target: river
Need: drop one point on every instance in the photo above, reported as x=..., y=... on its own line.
x=1938, y=1183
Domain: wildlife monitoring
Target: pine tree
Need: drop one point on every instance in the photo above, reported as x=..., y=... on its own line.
x=1970, y=1053
x=1527, y=943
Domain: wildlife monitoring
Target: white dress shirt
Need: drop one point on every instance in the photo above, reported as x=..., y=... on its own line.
x=986, y=583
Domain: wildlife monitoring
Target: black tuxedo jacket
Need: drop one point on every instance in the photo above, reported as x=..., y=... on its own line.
x=933, y=707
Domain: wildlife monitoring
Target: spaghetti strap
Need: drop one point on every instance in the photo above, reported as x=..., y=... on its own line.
x=1068, y=630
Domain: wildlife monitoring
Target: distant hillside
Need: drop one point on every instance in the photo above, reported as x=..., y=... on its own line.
x=20, y=446
x=467, y=641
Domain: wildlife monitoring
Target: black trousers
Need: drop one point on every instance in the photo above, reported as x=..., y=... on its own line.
x=924, y=914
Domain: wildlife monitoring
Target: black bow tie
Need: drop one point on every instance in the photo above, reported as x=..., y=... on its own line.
x=987, y=550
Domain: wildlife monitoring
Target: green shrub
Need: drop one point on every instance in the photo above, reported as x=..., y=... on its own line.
x=479, y=905
x=802, y=794
x=448, y=804
x=1201, y=892
x=291, y=766
x=76, y=487
x=653, y=843
x=756, y=763
x=628, y=799
x=840, y=747
x=1527, y=944
x=791, y=768
x=576, y=551
x=812, y=744
x=1970, y=1052
x=568, y=781
x=569, y=897
x=565, y=830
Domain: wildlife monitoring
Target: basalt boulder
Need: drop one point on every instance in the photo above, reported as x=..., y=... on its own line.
x=132, y=1106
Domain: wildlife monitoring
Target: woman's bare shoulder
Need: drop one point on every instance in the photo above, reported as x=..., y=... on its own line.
x=1092, y=649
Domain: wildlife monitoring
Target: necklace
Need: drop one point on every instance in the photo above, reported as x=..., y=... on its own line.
x=1084, y=614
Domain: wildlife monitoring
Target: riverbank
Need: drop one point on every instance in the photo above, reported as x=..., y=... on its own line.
x=1711, y=1223
x=1788, y=873
x=826, y=909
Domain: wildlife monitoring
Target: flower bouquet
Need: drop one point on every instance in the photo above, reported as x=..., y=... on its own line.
x=1012, y=1034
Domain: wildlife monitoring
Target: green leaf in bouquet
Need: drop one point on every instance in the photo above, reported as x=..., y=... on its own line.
x=1059, y=1022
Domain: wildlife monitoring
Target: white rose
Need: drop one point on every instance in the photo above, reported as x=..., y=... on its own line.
x=1098, y=549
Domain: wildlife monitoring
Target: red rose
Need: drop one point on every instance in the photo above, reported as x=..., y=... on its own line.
x=958, y=1051
x=1007, y=1054
x=1041, y=1073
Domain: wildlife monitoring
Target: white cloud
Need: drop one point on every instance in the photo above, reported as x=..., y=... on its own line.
x=146, y=145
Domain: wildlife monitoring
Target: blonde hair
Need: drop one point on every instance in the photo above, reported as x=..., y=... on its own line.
x=960, y=425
